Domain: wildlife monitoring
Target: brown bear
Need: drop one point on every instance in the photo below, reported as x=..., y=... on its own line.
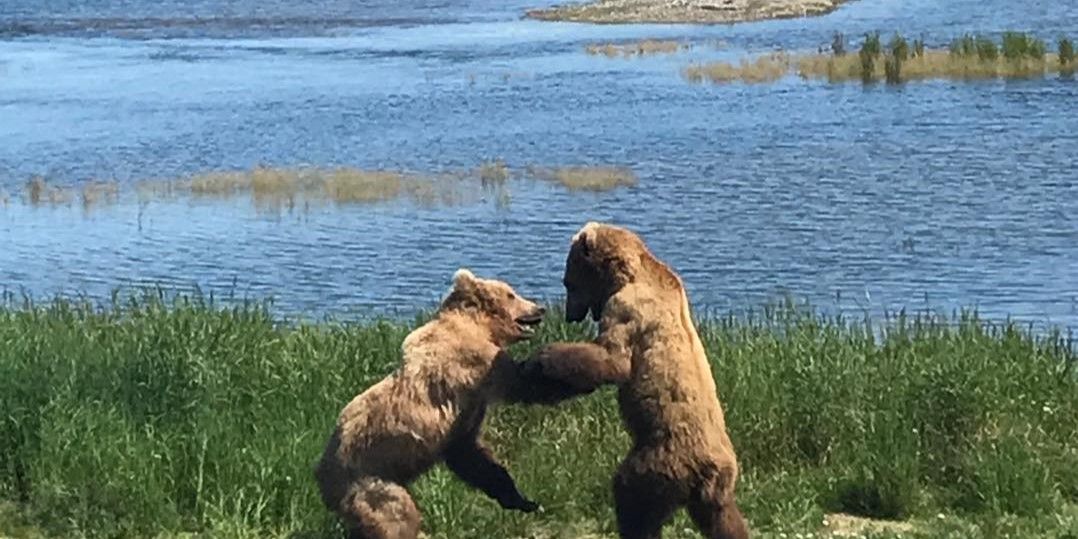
x=430, y=410
x=647, y=344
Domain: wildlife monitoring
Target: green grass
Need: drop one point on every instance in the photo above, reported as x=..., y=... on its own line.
x=168, y=418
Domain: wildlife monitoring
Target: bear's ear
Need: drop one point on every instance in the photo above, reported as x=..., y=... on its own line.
x=585, y=238
x=463, y=277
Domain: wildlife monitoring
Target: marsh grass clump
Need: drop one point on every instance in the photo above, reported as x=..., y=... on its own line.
x=1066, y=55
x=987, y=50
x=768, y=68
x=492, y=173
x=872, y=45
x=278, y=188
x=157, y=189
x=587, y=178
x=966, y=45
x=919, y=47
x=967, y=57
x=899, y=47
x=40, y=193
x=898, y=51
x=1018, y=45
x=36, y=189
x=345, y=186
x=892, y=69
x=869, y=56
x=274, y=189
x=637, y=48
x=160, y=416
x=218, y=184
x=838, y=44
x=96, y=193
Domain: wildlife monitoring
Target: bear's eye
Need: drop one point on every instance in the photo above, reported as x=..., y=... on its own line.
x=510, y=295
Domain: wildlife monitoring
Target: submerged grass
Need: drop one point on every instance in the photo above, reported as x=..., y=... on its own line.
x=170, y=418
x=767, y=68
x=276, y=187
x=97, y=193
x=968, y=57
x=637, y=48
x=493, y=172
x=39, y=192
x=587, y=178
x=288, y=188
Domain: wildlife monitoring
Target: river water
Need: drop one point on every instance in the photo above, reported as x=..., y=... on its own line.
x=931, y=195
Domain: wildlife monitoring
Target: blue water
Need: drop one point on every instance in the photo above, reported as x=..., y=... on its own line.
x=931, y=195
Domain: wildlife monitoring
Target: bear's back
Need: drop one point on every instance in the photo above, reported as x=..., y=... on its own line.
x=398, y=427
x=671, y=392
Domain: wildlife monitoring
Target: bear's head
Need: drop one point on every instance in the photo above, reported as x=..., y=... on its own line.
x=604, y=258
x=510, y=317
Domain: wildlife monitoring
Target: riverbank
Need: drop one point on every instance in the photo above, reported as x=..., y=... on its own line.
x=684, y=11
x=153, y=418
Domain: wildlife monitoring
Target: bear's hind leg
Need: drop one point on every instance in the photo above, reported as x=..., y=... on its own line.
x=719, y=521
x=713, y=508
x=376, y=509
x=641, y=505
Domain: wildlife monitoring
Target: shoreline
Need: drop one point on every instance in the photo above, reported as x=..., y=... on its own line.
x=683, y=11
x=841, y=429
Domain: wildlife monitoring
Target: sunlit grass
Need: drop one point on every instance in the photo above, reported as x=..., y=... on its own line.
x=637, y=48
x=154, y=418
x=587, y=178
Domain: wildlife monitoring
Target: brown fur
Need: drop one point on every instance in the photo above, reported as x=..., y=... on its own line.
x=681, y=454
x=430, y=410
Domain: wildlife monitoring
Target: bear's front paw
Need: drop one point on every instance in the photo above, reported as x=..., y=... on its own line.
x=531, y=368
x=523, y=505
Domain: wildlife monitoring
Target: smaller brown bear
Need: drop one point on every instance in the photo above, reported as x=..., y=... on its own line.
x=430, y=410
x=647, y=345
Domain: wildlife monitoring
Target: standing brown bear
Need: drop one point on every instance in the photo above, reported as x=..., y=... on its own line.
x=430, y=410
x=647, y=344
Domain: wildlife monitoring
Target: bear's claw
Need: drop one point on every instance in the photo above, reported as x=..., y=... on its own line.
x=523, y=505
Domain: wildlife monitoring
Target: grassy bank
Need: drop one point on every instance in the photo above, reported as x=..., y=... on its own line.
x=153, y=418
x=898, y=59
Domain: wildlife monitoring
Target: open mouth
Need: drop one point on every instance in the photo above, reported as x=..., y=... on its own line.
x=527, y=323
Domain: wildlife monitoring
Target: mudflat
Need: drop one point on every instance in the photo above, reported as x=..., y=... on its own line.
x=683, y=11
